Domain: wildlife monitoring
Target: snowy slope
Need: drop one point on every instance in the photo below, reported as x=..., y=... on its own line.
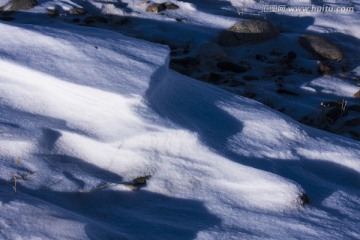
x=83, y=111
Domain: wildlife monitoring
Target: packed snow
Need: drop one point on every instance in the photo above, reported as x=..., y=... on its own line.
x=86, y=110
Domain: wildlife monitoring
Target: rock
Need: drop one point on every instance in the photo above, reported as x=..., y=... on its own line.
x=215, y=78
x=355, y=122
x=159, y=7
x=252, y=31
x=355, y=108
x=141, y=181
x=291, y=55
x=95, y=19
x=286, y=92
x=337, y=109
x=250, y=78
x=304, y=198
x=323, y=68
x=77, y=11
x=320, y=47
x=156, y=7
x=357, y=94
x=7, y=19
x=231, y=67
x=170, y=6
x=53, y=12
x=17, y=5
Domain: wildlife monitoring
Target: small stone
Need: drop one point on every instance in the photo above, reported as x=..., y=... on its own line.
x=355, y=122
x=250, y=78
x=231, y=67
x=78, y=11
x=250, y=31
x=215, y=78
x=323, y=68
x=260, y=57
x=304, y=198
x=320, y=47
x=235, y=83
x=355, y=108
x=357, y=94
x=7, y=19
x=76, y=20
x=141, y=181
x=95, y=19
x=291, y=55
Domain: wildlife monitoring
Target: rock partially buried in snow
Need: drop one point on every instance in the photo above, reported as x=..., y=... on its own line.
x=320, y=47
x=77, y=11
x=252, y=31
x=159, y=7
x=357, y=94
x=17, y=5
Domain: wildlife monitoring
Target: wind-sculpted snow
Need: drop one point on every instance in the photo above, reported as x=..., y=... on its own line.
x=83, y=112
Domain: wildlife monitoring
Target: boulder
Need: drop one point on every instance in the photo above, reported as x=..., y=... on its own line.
x=17, y=5
x=251, y=32
x=320, y=47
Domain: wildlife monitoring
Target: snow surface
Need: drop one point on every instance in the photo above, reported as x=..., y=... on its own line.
x=83, y=111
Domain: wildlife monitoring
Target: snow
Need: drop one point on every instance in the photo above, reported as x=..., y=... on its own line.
x=84, y=111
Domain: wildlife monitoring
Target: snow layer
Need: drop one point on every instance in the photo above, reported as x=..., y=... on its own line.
x=85, y=111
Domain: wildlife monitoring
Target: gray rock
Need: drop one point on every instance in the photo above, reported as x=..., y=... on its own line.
x=17, y=5
x=320, y=47
x=252, y=32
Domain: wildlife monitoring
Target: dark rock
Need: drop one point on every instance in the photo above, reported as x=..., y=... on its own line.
x=250, y=78
x=235, y=83
x=231, y=67
x=76, y=20
x=7, y=19
x=251, y=31
x=304, y=198
x=323, y=68
x=95, y=19
x=320, y=47
x=141, y=181
x=215, y=78
x=275, y=53
x=286, y=92
x=355, y=122
x=260, y=57
x=337, y=109
x=187, y=61
x=17, y=5
x=355, y=108
x=251, y=95
x=291, y=55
